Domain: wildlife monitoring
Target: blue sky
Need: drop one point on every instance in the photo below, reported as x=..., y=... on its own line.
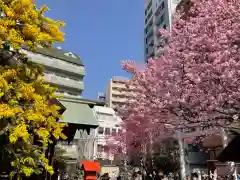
x=102, y=32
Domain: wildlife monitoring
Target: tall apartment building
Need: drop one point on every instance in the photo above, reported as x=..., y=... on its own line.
x=158, y=15
x=116, y=93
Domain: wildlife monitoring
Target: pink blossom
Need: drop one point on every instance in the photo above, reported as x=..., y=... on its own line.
x=195, y=82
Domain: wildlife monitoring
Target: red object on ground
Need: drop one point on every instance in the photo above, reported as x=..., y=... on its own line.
x=90, y=169
x=91, y=166
x=90, y=177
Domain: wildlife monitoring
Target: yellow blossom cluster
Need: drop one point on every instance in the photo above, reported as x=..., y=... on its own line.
x=26, y=110
x=27, y=118
x=22, y=24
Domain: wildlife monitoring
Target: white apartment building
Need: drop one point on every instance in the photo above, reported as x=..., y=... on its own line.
x=109, y=125
x=62, y=69
x=116, y=93
x=158, y=14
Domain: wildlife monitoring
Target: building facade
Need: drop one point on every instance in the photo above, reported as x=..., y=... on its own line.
x=158, y=15
x=64, y=70
x=109, y=125
x=116, y=93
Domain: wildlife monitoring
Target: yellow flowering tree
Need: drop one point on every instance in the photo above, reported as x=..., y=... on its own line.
x=28, y=121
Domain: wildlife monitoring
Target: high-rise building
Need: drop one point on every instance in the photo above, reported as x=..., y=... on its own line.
x=158, y=15
x=116, y=93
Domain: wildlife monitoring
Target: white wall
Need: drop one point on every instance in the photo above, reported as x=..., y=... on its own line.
x=108, y=123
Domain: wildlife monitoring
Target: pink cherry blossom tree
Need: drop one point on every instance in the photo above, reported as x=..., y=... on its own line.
x=195, y=82
x=204, y=47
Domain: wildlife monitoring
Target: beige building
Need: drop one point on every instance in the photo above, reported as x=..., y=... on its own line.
x=116, y=93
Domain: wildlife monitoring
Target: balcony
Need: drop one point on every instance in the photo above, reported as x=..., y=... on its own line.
x=149, y=31
x=55, y=63
x=160, y=18
x=119, y=85
x=66, y=82
x=150, y=41
x=149, y=18
x=148, y=6
x=122, y=93
x=160, y=8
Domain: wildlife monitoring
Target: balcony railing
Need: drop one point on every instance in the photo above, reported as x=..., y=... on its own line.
x=149, y=30
x=55, y=63
x=119, y=85
x=150, y=40
x=66, y=82
x=160, y=18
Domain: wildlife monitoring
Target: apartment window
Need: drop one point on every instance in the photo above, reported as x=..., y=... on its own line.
x=162, y=5
x=148, y=7
x=162, y=18
x=100, y=130
x=61, y=91
x=105, y=116
x=148, y=17
x=107, y=131
x=100, y=148
x=114, y=131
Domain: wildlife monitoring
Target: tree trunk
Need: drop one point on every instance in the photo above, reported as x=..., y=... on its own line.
x=182, y=157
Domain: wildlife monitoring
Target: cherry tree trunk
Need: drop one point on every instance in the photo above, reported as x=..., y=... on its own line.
x=182, y=156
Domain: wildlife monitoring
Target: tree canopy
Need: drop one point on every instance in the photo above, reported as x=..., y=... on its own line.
x=28, y=121
x=195, y=83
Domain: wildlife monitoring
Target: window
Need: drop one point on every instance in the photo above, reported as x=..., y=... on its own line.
x=119, y=131
x=114, y=131
x=107, y=131
x=162, y=5
x=105, y=116
x=100, y=148
x=100, y=130
x=162, y=18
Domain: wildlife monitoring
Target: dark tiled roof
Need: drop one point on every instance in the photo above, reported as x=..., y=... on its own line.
x=60, y=54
